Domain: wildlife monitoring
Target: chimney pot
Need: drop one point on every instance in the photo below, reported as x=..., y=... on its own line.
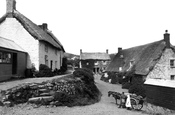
x=167, y=38
x=119, y=49
x=45, y=26
x=107, y=51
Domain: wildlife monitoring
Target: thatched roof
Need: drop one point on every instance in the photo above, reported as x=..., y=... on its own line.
x=144, y=57
x=9, y=44
x=36, y=31
x=94, y=56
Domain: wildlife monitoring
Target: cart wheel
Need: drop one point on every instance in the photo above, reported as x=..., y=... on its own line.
x=135, y=105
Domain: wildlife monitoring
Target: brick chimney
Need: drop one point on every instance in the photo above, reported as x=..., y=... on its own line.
x=167, y=38
x=44, y=26
x=107, y=51
x=10, y=7
x=80, y=51
x=119, y=49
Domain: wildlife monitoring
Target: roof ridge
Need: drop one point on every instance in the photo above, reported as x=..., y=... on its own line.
x=143, y=45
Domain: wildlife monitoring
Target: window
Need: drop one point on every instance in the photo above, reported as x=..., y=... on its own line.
x=172, y=64
x=172, y=77
x=46, y=48
x=46, y=60
x=5, y=57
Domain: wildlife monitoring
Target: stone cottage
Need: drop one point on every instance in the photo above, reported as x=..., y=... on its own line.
x=37, y=40
x=143, y=60
x=96, y=61
x=13, y=59
x=153, y=64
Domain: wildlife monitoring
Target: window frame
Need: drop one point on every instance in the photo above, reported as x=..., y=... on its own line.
x=3, y=56
x=172, y=63
x=172, y=77
x=46, y=48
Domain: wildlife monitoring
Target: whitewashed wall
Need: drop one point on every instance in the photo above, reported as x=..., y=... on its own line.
x=12, y=29
x=162, y=69
x=51, y=55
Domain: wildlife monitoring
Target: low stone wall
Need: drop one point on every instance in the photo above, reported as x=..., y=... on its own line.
x=52, y=92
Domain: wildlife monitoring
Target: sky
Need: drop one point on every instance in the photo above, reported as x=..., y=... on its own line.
x=97, y=25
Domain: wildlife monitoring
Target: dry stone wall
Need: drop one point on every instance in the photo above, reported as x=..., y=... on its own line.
x=45, y=93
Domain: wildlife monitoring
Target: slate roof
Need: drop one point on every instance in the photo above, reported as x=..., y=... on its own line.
x=144, y=57
x=9, y=44
x=94, y=56
x=35, y=31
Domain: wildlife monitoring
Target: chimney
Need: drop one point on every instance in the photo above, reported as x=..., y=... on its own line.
x=45, y=26
x=107, y=51
x=11, y=6
x=167, y=38
x=80, y=51
x=119, y=49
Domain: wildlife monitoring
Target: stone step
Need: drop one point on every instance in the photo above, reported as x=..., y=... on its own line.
x=37, y=99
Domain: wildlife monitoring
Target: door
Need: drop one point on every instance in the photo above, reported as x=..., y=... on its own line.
x=51, y=63
x=14, y=63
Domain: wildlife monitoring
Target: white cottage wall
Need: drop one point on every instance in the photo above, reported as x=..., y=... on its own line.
x=13, y=30
x=162, y=69
x=52, y=55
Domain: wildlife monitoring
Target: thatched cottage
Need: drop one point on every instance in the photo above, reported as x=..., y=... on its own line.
x=153, y=63
x=38, y=41
x=153, y=60
x=95, y=61
x=13, y=59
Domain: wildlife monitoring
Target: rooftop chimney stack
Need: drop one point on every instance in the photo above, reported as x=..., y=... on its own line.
x=167, y=38
x=80, y=51
x=107, y=51
x=10, y=6
x=119, y=49
x=45, y=26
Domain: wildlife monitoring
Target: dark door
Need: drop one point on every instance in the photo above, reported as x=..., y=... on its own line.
x=51, y=63
x=14, y=63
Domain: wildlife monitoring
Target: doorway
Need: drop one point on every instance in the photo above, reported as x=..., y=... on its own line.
x=51, y=63
x=14, y=63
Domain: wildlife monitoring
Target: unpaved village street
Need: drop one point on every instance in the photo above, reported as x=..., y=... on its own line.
x=105, y=107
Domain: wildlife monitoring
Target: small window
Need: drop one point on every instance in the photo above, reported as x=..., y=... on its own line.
x=121, y=56
x=5, y=57
x=172, y=62
x=46, y=60
x=46, y=48
x=172, y=77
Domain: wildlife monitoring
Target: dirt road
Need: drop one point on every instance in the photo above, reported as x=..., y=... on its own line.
x=105, y=107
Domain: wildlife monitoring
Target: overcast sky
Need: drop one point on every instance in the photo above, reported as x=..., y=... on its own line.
x=97, y=25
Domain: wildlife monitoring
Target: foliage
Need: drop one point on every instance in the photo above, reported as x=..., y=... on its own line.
x=138, y=89
x=73, y=62
x=126, y=85
x=64, y=65
x=44, y=71
x=85, y=74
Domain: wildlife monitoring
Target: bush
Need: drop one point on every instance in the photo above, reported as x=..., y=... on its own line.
x=85, y=75
x=126, y=85
x=44, y=71
x=138, y=89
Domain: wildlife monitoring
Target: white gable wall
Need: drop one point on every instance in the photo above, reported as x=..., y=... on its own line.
x=162, y=69
x=12, y=29
x=52, y=56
